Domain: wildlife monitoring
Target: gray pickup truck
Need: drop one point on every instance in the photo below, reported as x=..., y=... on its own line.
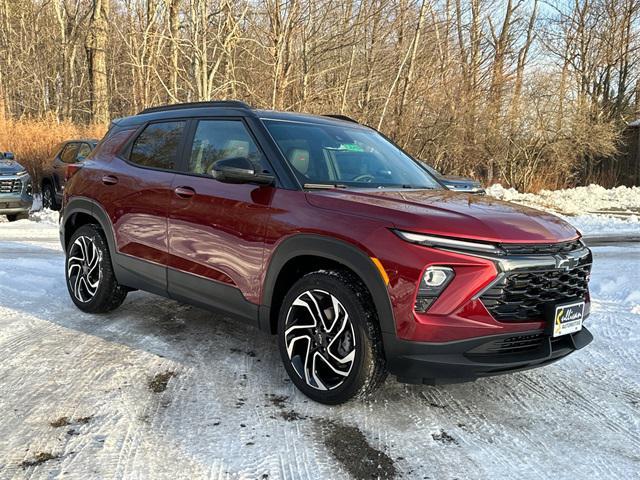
x=15, y=188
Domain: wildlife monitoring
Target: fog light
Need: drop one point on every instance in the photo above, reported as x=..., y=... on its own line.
x=434, y=280
x=436, y=276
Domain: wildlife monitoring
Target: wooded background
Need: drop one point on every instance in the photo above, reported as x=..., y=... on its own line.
x=528, y=93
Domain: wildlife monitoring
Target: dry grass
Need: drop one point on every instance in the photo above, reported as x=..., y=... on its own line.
x=33, y=141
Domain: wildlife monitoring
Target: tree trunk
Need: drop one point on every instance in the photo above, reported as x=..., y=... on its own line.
x=97, y=54
x=174, y=10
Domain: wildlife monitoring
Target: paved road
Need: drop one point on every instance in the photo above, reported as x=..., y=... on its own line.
x=162, y=390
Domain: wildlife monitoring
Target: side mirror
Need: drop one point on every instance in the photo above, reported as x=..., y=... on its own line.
x=239, y=170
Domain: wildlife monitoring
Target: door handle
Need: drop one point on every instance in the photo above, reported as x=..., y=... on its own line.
x=185, y=192
x=109, y=180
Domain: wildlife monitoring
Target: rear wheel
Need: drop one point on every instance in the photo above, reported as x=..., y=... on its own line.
x=89, y=273
x=49, y=197
x=329, y=338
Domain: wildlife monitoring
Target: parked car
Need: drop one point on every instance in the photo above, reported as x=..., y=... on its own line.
x=69, y=152
x=457, y=184
x=321, y=231
x=15, y=188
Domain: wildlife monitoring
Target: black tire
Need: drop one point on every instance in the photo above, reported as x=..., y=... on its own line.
x=367, y=370
x=89, y=273
x=17, y=216
x=49, y=197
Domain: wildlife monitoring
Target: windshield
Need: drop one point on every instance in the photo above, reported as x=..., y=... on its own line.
x=346, y=156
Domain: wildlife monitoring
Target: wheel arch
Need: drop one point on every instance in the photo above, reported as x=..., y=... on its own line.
x=317, y=251
x=81, y=211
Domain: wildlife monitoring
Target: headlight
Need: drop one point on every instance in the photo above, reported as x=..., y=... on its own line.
x=449, y=243
x=434, y=280
x=21, y=173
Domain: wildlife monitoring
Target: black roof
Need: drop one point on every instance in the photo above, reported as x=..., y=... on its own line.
x=228, y=108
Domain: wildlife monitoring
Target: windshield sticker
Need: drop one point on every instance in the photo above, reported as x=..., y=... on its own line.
x=352, y=147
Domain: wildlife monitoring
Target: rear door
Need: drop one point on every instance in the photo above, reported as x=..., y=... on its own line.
x=216, y=229
x=136, y=192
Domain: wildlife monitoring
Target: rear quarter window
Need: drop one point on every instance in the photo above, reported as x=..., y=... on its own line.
x=157, y=145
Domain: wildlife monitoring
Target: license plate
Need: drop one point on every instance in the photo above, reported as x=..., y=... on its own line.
x=568, y=318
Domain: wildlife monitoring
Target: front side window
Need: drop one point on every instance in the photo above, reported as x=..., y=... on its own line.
x=83, y=152
x=157, y=145
x=350, y=156
x=68, y=155
x=216, y=140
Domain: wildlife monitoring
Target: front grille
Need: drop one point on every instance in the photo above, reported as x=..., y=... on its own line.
x=521, y=296
x=10, y=186
x=541, y=249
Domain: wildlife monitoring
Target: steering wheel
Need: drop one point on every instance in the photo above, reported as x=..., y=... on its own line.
x=365, y=178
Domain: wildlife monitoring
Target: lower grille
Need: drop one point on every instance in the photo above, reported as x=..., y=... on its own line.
x=511, y=345
x=10, y=186
x=521, y=296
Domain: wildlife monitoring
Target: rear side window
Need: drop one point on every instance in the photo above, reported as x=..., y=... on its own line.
x=68, y=155
x=157, y=145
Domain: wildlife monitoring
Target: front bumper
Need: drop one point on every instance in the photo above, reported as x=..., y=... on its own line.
x=13, y=202
x=467, y=360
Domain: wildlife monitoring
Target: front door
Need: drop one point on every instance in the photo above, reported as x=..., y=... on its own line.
x=217, y=230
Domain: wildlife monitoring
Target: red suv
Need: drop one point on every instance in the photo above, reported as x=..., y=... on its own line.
x=325, y=233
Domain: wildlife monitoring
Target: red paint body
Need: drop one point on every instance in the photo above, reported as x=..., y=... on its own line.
x=228, y=233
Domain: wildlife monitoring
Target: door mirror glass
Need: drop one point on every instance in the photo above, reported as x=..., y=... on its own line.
x=239, y=170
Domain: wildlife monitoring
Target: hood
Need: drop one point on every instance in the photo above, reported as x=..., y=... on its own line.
x=10, y=167
x=451, y=214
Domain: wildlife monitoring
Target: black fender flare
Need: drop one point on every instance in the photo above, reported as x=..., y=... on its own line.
x=338, y=251
x=95, y=210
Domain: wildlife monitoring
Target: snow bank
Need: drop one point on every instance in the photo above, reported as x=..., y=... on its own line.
x=43, y=216
x=576, y=201
x=594, y=210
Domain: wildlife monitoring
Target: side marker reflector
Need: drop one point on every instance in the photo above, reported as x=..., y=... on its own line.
x=381, y=269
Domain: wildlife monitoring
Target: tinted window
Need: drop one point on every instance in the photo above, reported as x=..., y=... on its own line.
x=222, y=139
x=68, y=155
x=83, y=151
x=157, y=146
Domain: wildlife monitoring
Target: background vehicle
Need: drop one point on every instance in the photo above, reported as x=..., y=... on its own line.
x=323, y=232
x=15, y=188
x=457, y=184
x=71, y=151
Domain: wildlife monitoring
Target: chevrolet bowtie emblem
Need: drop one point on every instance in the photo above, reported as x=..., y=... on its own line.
x=566, y=263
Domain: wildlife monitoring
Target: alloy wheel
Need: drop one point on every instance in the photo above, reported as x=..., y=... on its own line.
x=46, y=198
x=320, y=340
x=83, y=269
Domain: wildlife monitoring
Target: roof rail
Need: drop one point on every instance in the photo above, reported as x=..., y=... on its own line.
x=180, y=106
x=341, y=117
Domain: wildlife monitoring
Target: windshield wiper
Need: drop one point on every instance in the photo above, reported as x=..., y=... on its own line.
x=405, y=186
x=323, y=186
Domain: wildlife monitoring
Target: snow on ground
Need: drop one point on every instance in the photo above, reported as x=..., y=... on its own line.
x=158, y=390
x=594, y=210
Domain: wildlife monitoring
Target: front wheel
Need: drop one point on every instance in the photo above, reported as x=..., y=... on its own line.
x=90, y=279
x=12, y=217
x=329, y=338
